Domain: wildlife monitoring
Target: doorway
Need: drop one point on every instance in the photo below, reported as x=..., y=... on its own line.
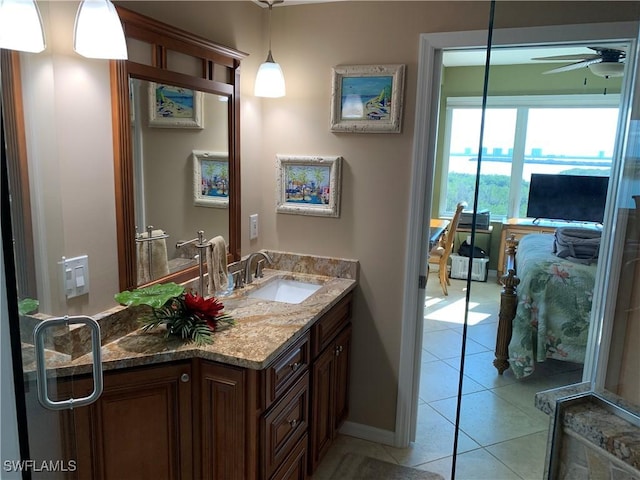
x=431, y=60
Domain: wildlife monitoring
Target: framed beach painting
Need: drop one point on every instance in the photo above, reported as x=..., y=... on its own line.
x=210, y=179
x=174, y=107
x=308, y=185
x=367, y=98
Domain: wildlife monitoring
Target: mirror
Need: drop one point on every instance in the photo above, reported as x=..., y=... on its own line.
x=62, y=226
x=181, y=174
x=176, y=131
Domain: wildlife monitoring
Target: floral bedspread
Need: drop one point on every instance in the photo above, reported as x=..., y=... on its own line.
x=554, y=306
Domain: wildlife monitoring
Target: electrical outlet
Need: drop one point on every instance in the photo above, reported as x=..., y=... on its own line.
x=253, y=226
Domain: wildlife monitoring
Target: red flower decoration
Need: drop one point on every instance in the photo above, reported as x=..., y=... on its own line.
x=186, y=315
x=205, y=309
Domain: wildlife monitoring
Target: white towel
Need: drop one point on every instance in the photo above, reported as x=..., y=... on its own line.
x=217, y=265
x=159, y=260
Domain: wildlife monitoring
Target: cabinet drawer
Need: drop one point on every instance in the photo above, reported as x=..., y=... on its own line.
x=286, y=369
x=325, y=329
x=295, y=465
x=284, y=425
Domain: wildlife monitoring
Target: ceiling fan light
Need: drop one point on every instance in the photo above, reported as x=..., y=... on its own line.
x=21, y=26
x=98, y=32
x=607, y=69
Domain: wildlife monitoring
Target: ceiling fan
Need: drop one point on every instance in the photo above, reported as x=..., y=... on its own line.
x=605, y=62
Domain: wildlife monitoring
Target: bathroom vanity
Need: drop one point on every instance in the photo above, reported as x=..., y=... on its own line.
x=264, y=401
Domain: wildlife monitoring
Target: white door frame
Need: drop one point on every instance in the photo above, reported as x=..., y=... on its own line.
x=427, y=103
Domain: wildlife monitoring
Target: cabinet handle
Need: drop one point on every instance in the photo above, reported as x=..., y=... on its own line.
x=295, y=366
x=293, y=423
x=184, y=378
x=338, y=350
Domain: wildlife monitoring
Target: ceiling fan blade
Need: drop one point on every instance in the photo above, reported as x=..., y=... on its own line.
x=573, y=66
x=577, y=56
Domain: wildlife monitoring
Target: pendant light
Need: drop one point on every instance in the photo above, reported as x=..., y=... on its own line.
x=21, y=26
x=98, y=32
x=270, y=80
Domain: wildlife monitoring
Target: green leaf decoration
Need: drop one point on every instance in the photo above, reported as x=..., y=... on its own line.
x=170, y=309
x=155, y=296
x=201, y=334
x=27, y=305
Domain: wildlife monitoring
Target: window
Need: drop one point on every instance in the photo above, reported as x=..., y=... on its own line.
x=523, y=135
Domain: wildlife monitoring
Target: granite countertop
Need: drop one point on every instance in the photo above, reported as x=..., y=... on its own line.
x=263, y=328
x=602, y=418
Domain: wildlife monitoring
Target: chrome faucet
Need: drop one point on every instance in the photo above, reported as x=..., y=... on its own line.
x=247, y=265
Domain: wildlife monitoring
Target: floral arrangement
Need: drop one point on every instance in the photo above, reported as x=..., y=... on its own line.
x=186, y=315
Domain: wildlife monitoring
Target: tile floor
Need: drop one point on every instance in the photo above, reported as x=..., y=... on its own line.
x=502, y=435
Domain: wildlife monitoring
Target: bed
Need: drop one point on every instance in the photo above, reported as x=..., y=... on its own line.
x=545, y=306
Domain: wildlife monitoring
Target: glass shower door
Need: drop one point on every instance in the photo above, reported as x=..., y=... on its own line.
x=48, y=350
x=497, y=418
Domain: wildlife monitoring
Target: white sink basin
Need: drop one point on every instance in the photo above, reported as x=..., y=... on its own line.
x=284, y=290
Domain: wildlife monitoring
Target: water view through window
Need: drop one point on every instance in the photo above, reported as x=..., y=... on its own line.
x=520, y=141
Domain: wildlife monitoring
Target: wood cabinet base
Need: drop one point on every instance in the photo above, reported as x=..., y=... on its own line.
x=196, y=419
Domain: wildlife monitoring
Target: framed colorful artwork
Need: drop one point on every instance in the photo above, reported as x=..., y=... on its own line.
x=174, y=107
x=210, y=179
x=308, y=185
x=367, y=98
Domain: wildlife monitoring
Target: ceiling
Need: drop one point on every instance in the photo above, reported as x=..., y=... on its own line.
x=460, y=58
x=514, y=55
x=278, y=3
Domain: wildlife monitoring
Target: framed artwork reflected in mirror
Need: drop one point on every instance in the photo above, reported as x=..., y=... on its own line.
x=174, y=107
x=210, y=179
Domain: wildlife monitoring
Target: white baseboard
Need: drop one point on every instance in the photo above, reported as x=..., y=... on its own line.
x=366, y=432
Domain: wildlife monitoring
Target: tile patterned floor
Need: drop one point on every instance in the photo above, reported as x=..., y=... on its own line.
x=502, y=435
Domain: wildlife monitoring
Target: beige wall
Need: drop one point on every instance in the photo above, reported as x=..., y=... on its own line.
x=307, y=41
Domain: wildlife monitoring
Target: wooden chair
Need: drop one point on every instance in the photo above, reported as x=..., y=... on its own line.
x=442, y=250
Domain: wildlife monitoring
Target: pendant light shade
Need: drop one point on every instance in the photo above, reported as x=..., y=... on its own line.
x=270, y=79
x=21, y=26
x=98, y=32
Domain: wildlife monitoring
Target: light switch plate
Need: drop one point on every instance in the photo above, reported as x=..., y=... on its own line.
x=75, y=276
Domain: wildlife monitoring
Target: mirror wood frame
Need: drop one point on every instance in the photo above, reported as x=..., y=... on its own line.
x=18, y=172
x=161, y=39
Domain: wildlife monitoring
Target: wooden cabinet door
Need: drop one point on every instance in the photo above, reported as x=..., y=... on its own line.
x=140, y=428
x=330, y=402
x=321, y=431
x=342, y=350
x=222, y=422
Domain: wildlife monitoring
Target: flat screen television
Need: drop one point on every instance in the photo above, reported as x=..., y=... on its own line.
x=579, y=198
